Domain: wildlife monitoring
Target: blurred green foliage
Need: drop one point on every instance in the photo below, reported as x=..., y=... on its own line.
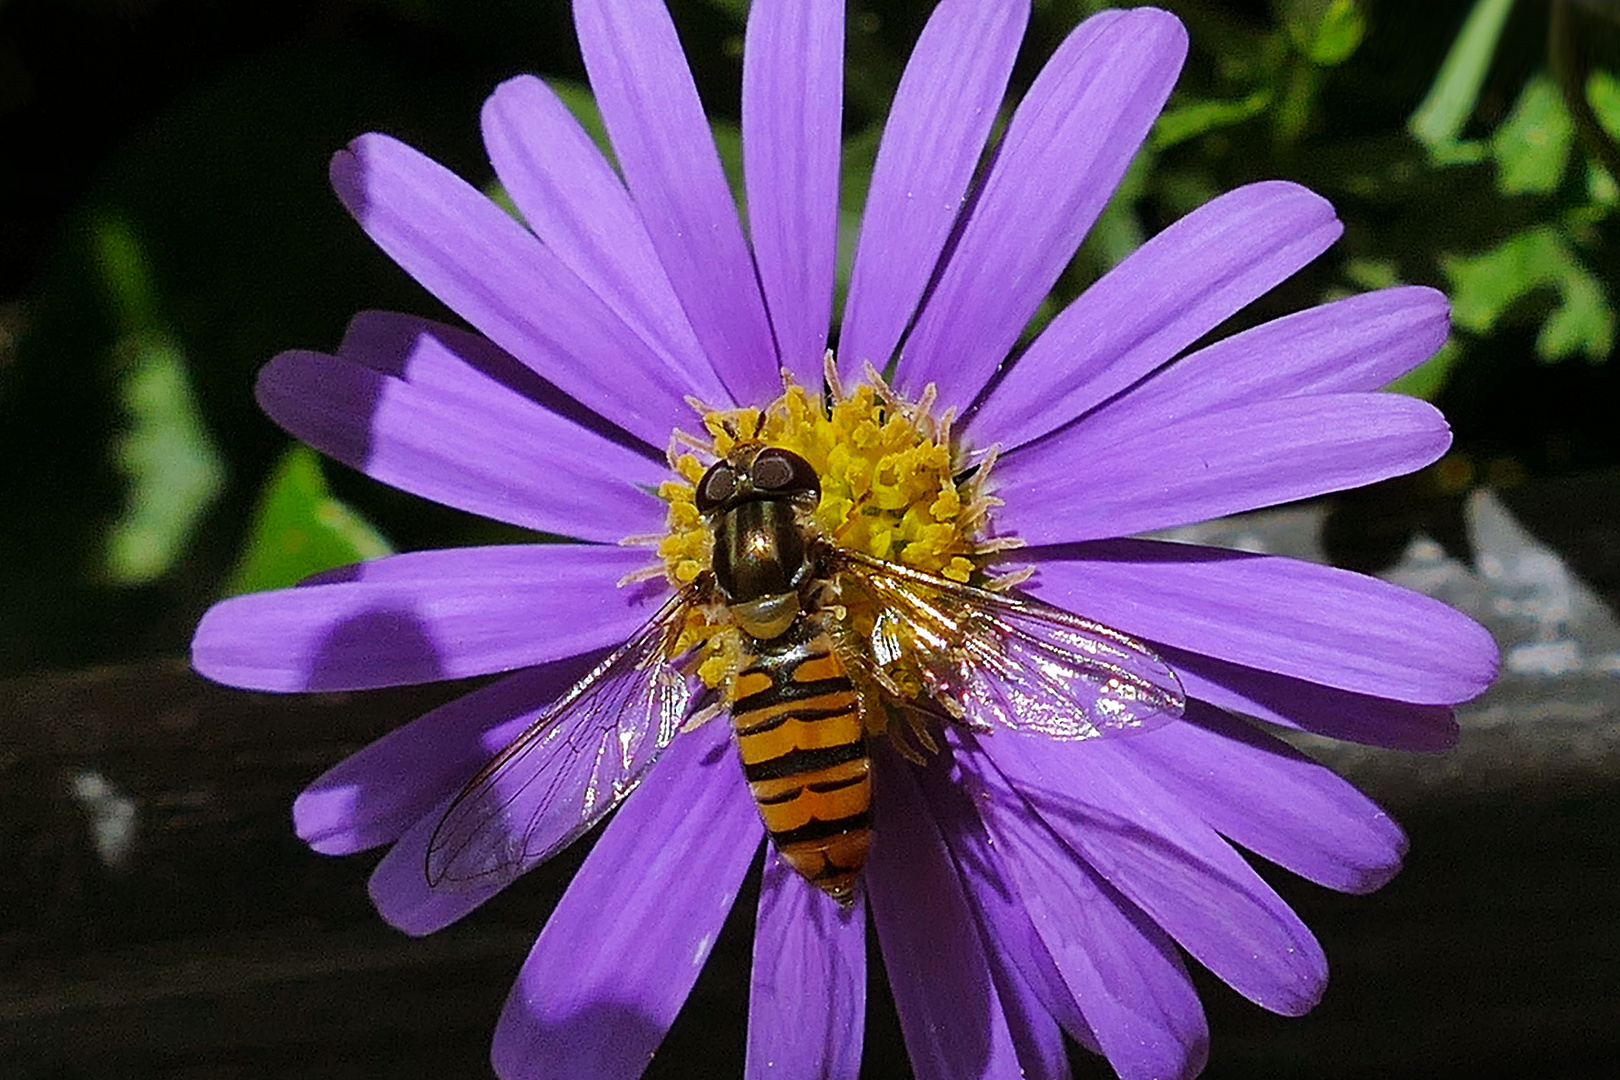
x=159, y=244
x=299, y=529
x=170, y=467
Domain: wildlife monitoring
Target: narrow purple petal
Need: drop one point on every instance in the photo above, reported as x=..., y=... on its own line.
x=1116, y=963
x=492, y=272
x=575, y=203
x=621, y=951
x=433, y=356
x=1036, y=1036
x=1026, y=977
x=1309, y=706
x=371, y=797
x=792, y=109
x=1315, y=623
x=479, y=447
x=426, y=616
x=942, y=113
x=1065, y=150
x=807, y=1003
x=1032, y=990
x=1032, y=993
x=1242, y=458
x=1262, y=793
x=664, y=147
x=1155, y=851
x=1167, y=294
x=1357, y=344
x=399, y=886
x=950, y=1015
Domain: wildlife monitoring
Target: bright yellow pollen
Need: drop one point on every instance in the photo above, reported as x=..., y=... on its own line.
x=888, y=489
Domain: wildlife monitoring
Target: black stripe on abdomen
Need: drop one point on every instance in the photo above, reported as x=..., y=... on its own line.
x=805, y=715
x=804, y=761
x=785, y=688
x=816, y=829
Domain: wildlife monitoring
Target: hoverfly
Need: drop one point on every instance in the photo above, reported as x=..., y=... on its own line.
x=806, y=691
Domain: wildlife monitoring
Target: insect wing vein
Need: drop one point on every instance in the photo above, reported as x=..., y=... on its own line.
x=1009, y=660
x=575, y=762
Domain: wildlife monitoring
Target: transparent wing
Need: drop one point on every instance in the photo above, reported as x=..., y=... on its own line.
x=1008, y=660
x=574, y=763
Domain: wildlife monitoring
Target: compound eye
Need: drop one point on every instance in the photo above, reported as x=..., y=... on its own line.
x=717, y=485
x=783, y=472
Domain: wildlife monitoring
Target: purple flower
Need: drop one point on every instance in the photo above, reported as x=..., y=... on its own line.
x=1020, y=887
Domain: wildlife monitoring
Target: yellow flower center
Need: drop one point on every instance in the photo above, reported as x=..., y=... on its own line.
x=892, y=486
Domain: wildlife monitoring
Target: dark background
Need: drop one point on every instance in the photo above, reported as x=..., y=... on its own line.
x=165, y=227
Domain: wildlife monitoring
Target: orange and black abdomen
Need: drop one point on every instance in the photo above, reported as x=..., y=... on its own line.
x=798, y=726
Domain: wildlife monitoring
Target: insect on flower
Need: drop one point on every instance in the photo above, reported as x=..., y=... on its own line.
x=829, y=644
x=834, y=565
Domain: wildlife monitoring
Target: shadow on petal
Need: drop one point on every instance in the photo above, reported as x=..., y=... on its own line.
x=385, y=644
x=437, y=356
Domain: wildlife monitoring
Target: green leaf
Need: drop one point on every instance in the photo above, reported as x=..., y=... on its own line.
x=1603, y=94
x=1191, y=119
x=1445, y=110
x=299, y=529
x=1327, y=32
x=1371, y=273
x=737, y=9
x=172, y=468
x=1583, y=323
x=1532, y=146
x=1484, y=287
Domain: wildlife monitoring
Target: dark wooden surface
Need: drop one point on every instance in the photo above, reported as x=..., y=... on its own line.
x=215, y=945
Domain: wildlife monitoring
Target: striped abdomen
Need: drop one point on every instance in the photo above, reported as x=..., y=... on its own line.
x=798, y=726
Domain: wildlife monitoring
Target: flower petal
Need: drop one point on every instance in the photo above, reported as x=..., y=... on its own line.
x=1031, y=990
x=667, y=154
x=1164, y=296
x=373, y=796
x=807, y=1003
x=1315, y=623
x=950, y=1015
x=1356, y=344
x=1027, y=979
x=1117, y=965
x=1150, y=847
x=433, y=356
x=1310, y=706
x=792, y=107
x=1242, y=458
x=622, y=949
x=1065, y=150
x=479, y=447
x=1036, y=1036
x=1019, y=959
x=426, y=616
x=575, y=203
x=494, y=273
x=942, y=113
x=1262, y=793
x=399, y=887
